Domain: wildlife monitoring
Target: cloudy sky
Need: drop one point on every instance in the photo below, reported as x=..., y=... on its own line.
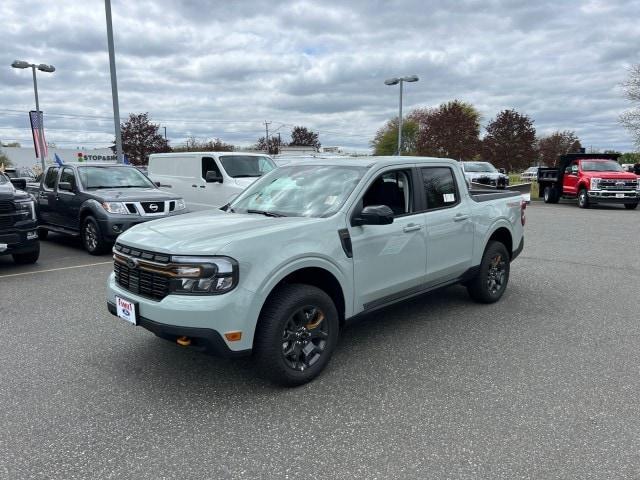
x=220, y=69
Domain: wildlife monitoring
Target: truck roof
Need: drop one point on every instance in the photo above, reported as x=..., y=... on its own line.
x=372, y=161
x=211, y=152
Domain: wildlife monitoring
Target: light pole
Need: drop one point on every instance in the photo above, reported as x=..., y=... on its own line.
x=114, y=83
x=43, y=68
x=394, y=81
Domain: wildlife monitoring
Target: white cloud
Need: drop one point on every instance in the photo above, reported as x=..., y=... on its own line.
x=221, y=69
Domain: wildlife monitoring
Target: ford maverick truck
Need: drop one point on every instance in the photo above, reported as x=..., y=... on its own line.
x=98, y=202
x=308, y=247
x=590, y=178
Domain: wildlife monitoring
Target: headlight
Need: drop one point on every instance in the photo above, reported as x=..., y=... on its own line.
x=595, y=183
x=26, y=209
x=638, y=185
x=116, y=207
x=203, y=275
x=180, y=205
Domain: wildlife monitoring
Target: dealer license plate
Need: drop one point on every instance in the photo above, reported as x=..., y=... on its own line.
x=619, y=195
x=126, y=310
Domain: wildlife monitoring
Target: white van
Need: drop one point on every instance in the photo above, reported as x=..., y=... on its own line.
x=207, y=179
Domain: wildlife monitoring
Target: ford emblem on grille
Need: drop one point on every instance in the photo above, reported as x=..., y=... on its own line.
x=132, y=262
x=619, y=184
x=153, y=207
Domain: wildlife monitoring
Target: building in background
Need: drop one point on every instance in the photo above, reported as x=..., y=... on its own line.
x=25, y=156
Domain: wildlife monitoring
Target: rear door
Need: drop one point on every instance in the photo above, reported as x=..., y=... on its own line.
x=47, y=196
x=449, y=225
x=389, y=260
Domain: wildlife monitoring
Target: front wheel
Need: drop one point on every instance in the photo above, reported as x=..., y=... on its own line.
x=296, y=334
x=92, y=238
x=630, y=206
x=27, y=258
x=583, y=198
x=492, y=278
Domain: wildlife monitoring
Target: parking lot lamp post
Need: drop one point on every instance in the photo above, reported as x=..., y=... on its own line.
x=43, y=68
x=394, y=81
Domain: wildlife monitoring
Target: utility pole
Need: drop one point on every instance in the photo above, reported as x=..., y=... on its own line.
x=114, y=83
x=266, y=137
x=165, y=132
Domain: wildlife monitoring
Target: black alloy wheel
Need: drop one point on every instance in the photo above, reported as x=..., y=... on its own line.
x=493, y=276
x=92, y=237
x=304, y=338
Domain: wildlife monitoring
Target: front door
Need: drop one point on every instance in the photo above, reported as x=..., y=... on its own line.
x=389, y=260
x=570, y=182
x=68, y=202
x=47, y=197
x=211, y=194
x=449, y=226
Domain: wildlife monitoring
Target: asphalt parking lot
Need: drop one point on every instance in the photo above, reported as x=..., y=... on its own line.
x=543, y=384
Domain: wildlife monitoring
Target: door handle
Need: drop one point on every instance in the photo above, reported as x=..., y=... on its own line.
x=203, y=186
x=194, y=186
x=411, y=228
x=460, y=217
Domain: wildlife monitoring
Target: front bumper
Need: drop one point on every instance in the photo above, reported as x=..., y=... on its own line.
x=18, y=240
x=612, y=196
x=205, y=319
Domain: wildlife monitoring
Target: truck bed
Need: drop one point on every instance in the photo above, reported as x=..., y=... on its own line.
x=485, y=195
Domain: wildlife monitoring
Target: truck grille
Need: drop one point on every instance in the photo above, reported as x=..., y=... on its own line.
x=606, y=184
x=152, y=207
x=7, y=220
x=141, y=281
x=7, y=206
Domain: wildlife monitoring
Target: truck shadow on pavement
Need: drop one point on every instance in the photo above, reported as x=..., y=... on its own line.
x=367, y=344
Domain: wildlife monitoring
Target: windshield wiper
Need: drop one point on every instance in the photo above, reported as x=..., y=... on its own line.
x=266, y=213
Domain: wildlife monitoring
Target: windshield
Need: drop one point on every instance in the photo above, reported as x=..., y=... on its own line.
x=238, y=166
x=479, y=167
x=601, y=166
x=113, y=177
x=300, y=191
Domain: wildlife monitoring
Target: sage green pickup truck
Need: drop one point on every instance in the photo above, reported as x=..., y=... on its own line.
x=309, y=246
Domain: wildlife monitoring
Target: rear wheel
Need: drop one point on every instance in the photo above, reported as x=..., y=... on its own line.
x=583, y=198
x=27, y=257
x=92, y=238
x=492, y=278
x=630, y=206
x=296, y=334
x=550, y=195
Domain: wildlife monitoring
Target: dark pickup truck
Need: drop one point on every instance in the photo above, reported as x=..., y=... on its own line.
x=98, y=202
x=18, y=233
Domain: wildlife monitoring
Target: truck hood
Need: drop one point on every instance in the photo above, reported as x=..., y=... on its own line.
x=206, y=232
x=132, y=194
x=614, y=175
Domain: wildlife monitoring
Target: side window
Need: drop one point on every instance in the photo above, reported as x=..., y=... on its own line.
x=440, y=187
x=392, y=189
x=68, y=176
x=50, y=179
x=209, y=165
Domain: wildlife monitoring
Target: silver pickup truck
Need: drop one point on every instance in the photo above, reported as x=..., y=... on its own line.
x=308, y=247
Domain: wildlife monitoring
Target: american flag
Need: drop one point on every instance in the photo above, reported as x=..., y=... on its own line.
x=37, y=129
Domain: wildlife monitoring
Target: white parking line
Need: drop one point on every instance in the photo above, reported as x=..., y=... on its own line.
x=55, y=269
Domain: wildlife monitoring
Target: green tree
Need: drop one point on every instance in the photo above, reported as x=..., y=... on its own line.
x=140, y=138
x=629, y=158
x=303, y=137
x=558, y=143
x=631, y=118
x=452, y=130
x=510, y=141
x=386, y=140
x=272, y=147
x=4, y=160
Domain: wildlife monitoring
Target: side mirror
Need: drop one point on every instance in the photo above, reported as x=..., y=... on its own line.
x=66, y=186
x=157, y=184
x=373, y=215
x=213, y=177
x=19, y=183
x=574, y=170
x=502, y=171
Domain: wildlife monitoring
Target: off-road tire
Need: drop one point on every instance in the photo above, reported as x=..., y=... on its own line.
x=269, y=343
x=27, y=258
x=479, y=287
